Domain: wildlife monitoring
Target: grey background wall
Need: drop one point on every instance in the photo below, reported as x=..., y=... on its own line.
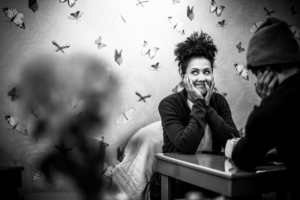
x=148, y=23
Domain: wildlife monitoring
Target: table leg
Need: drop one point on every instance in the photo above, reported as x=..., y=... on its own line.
x=166, y=187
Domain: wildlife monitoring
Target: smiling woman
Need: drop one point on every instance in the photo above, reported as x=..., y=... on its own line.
x=195, y=119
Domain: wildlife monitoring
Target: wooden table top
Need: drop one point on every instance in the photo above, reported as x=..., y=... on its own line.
x=212, y=164
x=8, y=163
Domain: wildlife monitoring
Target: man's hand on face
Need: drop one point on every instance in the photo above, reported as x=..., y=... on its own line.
x=266, y=83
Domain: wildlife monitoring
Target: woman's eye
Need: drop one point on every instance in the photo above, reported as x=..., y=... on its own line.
x=194, y=72
x=207, y=72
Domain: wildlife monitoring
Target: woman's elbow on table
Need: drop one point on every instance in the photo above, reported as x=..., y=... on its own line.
x=187, y=147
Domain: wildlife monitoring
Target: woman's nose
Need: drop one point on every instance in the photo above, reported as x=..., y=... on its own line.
x=201, y=77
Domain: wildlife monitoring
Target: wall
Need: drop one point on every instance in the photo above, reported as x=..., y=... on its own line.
x=148, y=23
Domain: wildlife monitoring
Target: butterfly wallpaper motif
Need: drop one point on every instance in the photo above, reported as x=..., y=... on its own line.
x=137, y=37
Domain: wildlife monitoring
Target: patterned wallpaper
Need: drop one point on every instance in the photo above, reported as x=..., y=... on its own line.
x=137, y=38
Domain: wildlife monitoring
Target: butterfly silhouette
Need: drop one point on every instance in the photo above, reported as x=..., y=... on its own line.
x=295, y=31
x=146, y=50
x=13, y=94
x=293, y=10
x=142, y=98
x=100, y=45
x=78, y=116
x=255, y=26
x=35, y=111
x=125, y=117
x=76, y=16
x=175, y=2
x=39, y=175
x=107, y=171
x=120, y=154
x=60, y=48
x=14, y=17
x=155, y=67
x=269, y=13
x=175, y=89
x=190, y=13
x=176, y=24
x=215, y=8
x=241, y=132
x=102, y=140
x=62, y=149
x=70, y=2
x=75, y=101
x=33, y=5
x=16, y=124
x=141, y=3
x=118, y=57
x=221, y=23
x=239, y=47
x=123, y=18
x=243, y=72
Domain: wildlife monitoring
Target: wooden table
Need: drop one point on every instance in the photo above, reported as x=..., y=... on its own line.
x=10, y=176
x=218, y=174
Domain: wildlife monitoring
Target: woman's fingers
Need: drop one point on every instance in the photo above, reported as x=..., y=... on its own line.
x=212, y=83
x=189, y=83
x=207, y=87
x=185, y=82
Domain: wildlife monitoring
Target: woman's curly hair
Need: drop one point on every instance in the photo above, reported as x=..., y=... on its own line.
x=197, y=45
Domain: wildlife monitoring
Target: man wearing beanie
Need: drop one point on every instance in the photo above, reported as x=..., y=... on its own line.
x=273, y=56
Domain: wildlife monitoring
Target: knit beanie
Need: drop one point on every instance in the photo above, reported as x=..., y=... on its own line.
x=272, y=43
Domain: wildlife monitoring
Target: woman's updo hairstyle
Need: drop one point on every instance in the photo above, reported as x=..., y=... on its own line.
x=197, y=45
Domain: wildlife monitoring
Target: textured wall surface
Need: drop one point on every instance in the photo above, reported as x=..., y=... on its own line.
x=125, y=25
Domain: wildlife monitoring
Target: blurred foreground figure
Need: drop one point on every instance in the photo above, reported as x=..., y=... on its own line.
x=73, y=98
x=273, y=56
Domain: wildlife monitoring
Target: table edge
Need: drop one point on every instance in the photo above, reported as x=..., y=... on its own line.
x=160, y=156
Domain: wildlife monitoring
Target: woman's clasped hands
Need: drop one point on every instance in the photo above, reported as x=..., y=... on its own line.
x=196, y=94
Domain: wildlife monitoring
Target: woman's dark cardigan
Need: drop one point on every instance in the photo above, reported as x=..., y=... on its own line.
x=183, y=128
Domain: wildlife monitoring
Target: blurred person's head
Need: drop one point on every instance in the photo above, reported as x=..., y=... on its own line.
x=273, y=47
x=196, y=57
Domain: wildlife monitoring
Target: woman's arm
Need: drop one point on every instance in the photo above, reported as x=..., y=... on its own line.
x=186, y=139
x=221, y=124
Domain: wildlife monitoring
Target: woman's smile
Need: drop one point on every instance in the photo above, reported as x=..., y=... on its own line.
x=201, y=86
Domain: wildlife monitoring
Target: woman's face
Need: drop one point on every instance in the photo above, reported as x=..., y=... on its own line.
x=200, y=71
